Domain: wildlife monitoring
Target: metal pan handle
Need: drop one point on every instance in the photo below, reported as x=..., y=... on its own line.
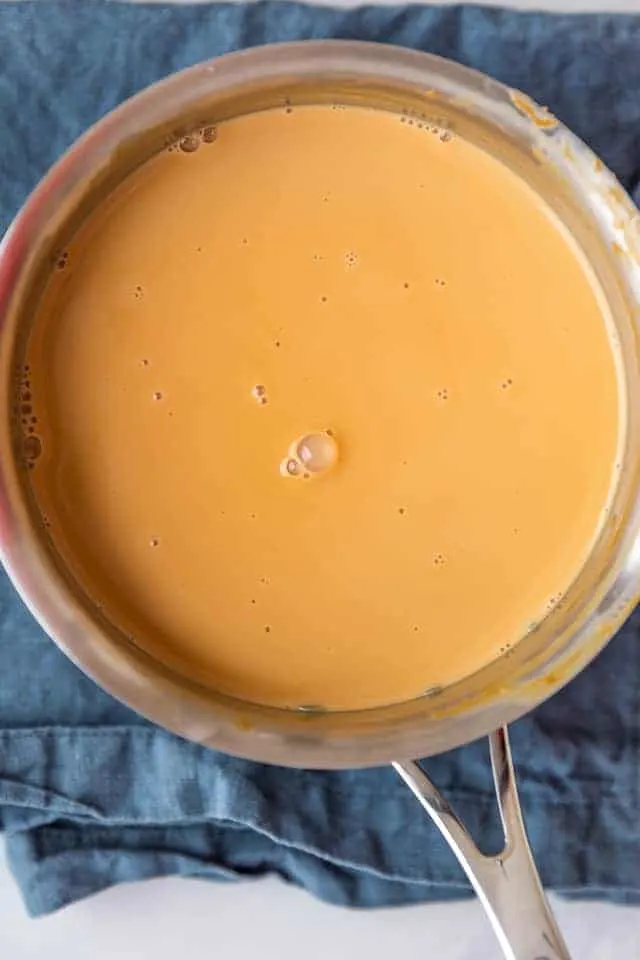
x=508, y=884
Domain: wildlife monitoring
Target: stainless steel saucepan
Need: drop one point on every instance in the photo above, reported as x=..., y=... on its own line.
x=588, y=199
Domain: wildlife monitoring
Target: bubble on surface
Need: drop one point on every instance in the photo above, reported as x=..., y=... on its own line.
x=31, y=448
x=554, y=601
x=259, y=393
x=317, y=452
x=290, y=467
x=189, y=144
x=157, y=395
x=209, y=134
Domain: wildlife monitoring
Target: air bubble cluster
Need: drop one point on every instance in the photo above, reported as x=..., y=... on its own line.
x=311, y=455
x=438, y=127
x=259, y=394
x=553, y=601
x=190, y=142
x=25, y=418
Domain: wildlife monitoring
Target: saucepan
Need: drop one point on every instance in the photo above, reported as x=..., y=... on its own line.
x=592, y=205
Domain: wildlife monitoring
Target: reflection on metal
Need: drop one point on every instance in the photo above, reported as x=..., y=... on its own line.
x=507, y=884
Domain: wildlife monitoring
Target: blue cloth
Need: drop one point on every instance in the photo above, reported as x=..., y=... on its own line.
x=92, y=794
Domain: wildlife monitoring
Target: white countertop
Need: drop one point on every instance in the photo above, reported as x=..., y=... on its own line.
x=162, y=919
x=265, y=919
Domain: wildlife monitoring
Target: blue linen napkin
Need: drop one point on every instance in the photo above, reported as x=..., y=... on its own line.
x=92, y=794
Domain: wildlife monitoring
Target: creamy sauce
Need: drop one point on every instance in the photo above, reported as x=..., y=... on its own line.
x=340, y=285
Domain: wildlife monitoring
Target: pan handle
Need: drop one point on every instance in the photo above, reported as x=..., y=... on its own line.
x=508, y=884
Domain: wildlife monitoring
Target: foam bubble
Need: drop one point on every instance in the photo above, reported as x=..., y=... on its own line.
x=189, y=144
x=259, y=393
x=290, y=467
x=31, y=447
x=317, y=452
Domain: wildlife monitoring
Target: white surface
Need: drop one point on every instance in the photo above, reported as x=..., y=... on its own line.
x=266, y=920
x=165, y=919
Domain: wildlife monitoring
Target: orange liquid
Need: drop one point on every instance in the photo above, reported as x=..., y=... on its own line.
x=324, y=269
